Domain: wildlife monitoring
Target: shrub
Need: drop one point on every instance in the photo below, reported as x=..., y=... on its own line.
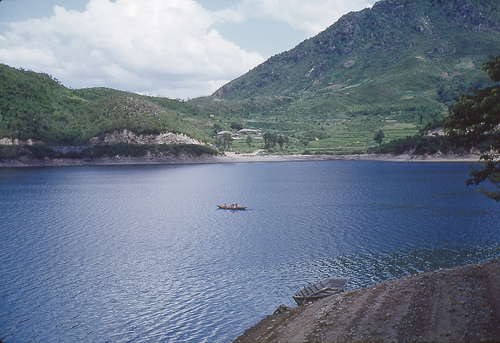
x=41, y=151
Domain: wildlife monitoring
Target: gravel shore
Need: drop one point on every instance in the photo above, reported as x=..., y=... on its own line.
x=232, y=157
x=449, y=305
x=258, y=157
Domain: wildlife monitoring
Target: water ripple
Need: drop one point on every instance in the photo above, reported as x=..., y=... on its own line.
x=140, y=253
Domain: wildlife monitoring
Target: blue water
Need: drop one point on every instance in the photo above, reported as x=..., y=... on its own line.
x=140, y=253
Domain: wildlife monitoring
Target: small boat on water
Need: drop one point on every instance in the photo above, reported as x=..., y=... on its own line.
x=231, y=207
x=320, y=290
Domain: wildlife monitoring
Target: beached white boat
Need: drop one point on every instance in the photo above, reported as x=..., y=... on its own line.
x=320, y=290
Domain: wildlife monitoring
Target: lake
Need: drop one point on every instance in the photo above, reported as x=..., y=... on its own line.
x=142, y=254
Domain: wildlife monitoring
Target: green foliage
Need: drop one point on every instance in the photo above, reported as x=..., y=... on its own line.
x=8, y=152
x=42, y=151
x=395, y=47
x=379, y=137
x=400, y=62
x=28, y=104
x=488, y=173
x=249, y=140
x=35, y=106
x=418, y=145
x=492, y=68
x=475, y=121
x=270, y=139
x=139, y=150
x=226, y=140
x=282, y=140
x=236, y=126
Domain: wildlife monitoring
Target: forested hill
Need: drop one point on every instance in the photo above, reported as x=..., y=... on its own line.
x=36, y=106
x=412, y=56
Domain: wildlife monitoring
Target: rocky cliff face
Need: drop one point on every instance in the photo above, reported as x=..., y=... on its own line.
x=115, y=137
x=130, y=137
x=375, y=43
x=16, y=141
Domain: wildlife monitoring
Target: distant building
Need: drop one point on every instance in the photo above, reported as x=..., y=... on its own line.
x=221, y=133
x=252, y=131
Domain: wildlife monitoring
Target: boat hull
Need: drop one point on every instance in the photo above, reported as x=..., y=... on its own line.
x=320, y=290
x=224, y=207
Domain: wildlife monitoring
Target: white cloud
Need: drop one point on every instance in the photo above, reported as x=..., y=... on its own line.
x=158, y=47
x=311, y=16
x=231, y=15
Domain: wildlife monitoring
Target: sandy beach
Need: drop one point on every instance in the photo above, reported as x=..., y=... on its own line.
x=449, y=305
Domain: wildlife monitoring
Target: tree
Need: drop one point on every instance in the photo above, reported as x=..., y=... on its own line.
x=281, y=140
x=379, y=136
x=270, y=139
x=474, y=123
x=236, y=126
x=226, y=140
x=249, y=140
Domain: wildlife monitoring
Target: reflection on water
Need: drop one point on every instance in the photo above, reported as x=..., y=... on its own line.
x=373, y=268
x=141, y=253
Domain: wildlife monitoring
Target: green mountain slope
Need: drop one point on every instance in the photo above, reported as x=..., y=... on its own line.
x=34, y=106
x=395, y=67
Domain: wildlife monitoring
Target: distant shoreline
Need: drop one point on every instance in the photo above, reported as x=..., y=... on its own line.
x=231, y=157
x=243, y=158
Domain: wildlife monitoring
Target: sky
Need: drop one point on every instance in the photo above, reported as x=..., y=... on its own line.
x=171, y=48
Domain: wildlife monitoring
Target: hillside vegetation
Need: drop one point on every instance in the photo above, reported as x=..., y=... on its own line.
x=35, y=106
x=393, y=68
x=396, y=67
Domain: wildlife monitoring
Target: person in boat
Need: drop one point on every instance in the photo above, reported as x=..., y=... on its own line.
x=225, y=205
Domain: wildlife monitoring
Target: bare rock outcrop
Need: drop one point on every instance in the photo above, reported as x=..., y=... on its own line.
x=130, y=137
x=16, y=141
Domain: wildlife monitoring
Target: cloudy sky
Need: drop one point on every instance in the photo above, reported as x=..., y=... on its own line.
x=172, y=48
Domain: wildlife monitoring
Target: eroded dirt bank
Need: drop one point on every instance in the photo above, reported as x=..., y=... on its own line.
x=449, y=305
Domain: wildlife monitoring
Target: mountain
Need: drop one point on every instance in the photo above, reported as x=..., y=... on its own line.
x=396, y=66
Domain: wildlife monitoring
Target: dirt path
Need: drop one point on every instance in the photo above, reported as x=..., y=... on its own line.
x=452, y=305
